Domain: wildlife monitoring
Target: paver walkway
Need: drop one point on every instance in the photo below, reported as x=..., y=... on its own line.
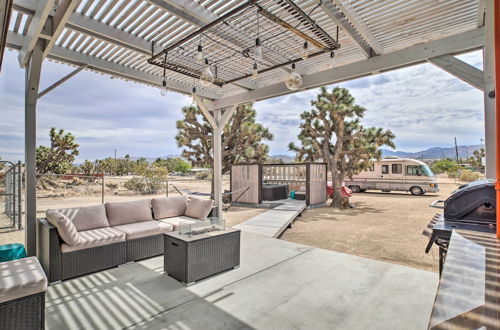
x=274, y=222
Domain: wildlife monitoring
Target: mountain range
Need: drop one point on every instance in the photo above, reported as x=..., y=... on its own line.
x=434, y=152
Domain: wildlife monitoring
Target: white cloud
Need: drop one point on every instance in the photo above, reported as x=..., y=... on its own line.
x=423, y=105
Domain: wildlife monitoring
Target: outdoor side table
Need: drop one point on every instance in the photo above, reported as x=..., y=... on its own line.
x=192, y=258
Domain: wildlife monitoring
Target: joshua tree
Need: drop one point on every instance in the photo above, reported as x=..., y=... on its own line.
x=242, y=139
x=477, y=157
x=59, y=157
x=332, y=132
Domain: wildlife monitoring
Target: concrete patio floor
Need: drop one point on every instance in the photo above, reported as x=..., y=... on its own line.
x=280, y=285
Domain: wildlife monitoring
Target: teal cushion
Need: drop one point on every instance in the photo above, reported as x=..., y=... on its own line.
x=12, y=252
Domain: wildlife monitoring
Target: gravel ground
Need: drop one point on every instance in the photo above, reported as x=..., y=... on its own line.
x=382, y=226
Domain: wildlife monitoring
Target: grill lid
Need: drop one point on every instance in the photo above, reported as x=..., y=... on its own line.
x=475, y=201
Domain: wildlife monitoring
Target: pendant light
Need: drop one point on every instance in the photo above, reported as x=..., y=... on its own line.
x=258, y=47
x=193, y=94
x=332, y=60
x=294, y=80
x=305, y=53
x=255, y=72
x=207, y=77
x=164, y=90
x=198, y=57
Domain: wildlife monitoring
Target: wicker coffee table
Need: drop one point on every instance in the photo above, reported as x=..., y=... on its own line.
x=191, y=258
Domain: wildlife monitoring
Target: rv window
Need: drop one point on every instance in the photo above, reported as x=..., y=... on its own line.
x=385, y=169
x=413, y=170
x=397, y=168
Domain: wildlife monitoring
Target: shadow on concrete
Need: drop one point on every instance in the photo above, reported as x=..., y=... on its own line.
x=133, y=297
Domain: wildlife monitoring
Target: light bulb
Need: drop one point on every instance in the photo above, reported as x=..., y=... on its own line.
x=198, y=57
x=258, y=50
x=193, y=100
x=305, y=53
x=207, y=77
x=163, y=90
x=255, y=72
x=332, y=60
x=294, y=80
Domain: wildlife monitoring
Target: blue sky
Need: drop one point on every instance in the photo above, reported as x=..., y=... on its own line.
x=423, y=105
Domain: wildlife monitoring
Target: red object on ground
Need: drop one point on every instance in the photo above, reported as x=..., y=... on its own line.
x=345, y=191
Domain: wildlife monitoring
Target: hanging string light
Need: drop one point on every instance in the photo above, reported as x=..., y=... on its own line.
x=255, y=72
x=207, y=78
x=193, y=94
x=332, y=60
x=258, y=47
x=305, y=52
x=164, y=89
x=294, y=80
x=198, y=57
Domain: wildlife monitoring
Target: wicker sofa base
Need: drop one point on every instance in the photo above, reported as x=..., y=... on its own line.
x=144, y=247
x=25, y=313
x=83, y=262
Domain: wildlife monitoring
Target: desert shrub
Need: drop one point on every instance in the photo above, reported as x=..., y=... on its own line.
x=468, y=175
x=204, y=175
x=151, y=182
x=444, y=165
x=173, y=164
x=112, y=186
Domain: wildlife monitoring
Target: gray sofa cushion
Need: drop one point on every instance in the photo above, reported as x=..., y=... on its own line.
x=175, y=222
x=199, y=208
x=65, y=227
x=144, y=228
x=169, y=207
x=21, y=278
x=87, y=217
x=95, y=237
x=121, y=213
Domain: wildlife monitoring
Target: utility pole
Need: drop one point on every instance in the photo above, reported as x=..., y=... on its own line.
x=456, y=151
x=116, y=170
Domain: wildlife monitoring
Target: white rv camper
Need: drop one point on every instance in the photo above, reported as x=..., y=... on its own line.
x=395, y=174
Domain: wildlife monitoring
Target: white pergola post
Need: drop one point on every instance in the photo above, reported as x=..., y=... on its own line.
x=489, y=87
x=33, y=70
x=218, y=121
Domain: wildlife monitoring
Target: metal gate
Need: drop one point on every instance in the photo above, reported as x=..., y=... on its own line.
x=10, y=190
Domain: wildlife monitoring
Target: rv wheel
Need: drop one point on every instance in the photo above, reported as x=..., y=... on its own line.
x=355, y=189
x=416, y=191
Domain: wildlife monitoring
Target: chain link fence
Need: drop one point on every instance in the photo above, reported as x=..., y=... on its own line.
x=11, y=196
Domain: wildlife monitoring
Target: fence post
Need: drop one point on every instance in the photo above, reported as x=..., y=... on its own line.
x=102, y=189
x=19, y=195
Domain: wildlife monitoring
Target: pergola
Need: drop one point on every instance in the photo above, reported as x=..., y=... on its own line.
x=118, y=37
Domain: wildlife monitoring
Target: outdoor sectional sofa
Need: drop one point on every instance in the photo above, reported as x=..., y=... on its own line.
x=73, y=242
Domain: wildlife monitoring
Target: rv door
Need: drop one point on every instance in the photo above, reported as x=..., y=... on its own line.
x=384, y=180
x=397, y=177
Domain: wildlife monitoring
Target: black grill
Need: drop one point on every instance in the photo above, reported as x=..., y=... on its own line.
x=470, y=207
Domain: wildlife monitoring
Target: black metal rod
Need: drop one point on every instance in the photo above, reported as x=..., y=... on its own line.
x=313, y=24
x=205, y=28
x=279, y=66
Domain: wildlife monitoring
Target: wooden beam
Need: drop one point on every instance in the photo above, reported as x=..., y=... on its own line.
x=339, y=19
x=460, y=69
x=205, y=110
x=357, y=22
x=61, y=16
x=5, y=13
x=41, y=13
x=72, y=57
x=290, y=28
x=62, y=80
x=459, y=43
